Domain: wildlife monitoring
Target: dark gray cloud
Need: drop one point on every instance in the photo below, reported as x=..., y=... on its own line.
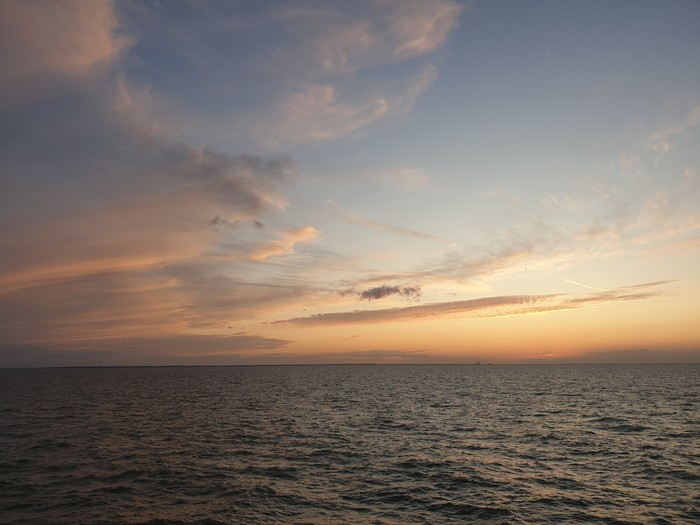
x=378, y=292
x=219, y=222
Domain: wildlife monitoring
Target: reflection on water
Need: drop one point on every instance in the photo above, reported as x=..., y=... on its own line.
x=351, y=444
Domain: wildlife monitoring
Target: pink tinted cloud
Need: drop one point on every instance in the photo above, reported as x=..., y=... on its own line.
x=42, y=43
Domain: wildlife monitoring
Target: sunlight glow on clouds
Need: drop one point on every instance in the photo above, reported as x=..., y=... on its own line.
x=515, y=305
x=226, y=183
x=285, y=245
x=318, y=112
x=54, y=42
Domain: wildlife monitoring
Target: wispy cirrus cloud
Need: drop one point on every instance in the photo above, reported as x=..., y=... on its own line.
x=307, y=82
x=415, y=312
x=86, y=271
x=107, y=219
x=332, y=209
x=483, y=307
x=665, y=216
x=326, y=111
x=603, y=222
x=396, y=230
x=625, y=355
x=661, y=141
x=130, y=209
x=330, y=41
x=162, y=217
x=537, y=246
x=403, y=177
x=420, y=29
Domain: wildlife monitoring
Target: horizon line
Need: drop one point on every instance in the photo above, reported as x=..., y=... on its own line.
x=241, y=365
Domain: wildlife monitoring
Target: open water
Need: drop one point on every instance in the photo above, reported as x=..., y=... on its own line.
x=350, y=444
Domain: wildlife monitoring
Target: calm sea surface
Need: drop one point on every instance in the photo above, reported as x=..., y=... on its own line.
x=351, y=444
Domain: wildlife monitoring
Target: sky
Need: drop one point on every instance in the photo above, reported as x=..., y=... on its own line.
x=389, y=181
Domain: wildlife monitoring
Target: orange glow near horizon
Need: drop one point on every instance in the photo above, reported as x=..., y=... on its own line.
x=374, y=186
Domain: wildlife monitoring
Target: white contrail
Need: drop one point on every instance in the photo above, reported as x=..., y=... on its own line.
x=585, y=285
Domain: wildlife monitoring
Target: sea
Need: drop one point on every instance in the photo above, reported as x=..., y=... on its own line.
x=356, y=444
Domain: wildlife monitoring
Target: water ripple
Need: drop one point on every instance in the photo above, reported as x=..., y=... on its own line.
x=350, y=444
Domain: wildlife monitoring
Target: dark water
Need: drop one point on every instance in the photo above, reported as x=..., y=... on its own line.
x=351, y=444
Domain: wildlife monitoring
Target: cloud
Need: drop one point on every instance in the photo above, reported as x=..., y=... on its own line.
x=155, y=294
x=620, y=225
x=668, y=214
x=130, y=351
x=45, y=43
x=490, y=192
x=285, y=245
x=626, y=356
x=514, y=251
x=332, y=210
x=380, y=292
x=630, y=164
x=404, y=178
x=162, y=213
x=484, y=307
x=215, y=291
x=540, y=247
x=332, y=41
x=586, y=200
x=317, y=76
x=604, y=297
x=648, y=285
x=585, y=285
x=660, y=141
x=323, y=112
x=562, y=203
x=417, y=312
x=119, y=223
x=112, y=228
x=218, y=221
x=390, y=228
x=317, y=112
x=618, y=220
x=420, y=28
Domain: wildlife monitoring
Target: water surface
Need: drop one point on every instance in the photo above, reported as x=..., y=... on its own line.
x=351, y=444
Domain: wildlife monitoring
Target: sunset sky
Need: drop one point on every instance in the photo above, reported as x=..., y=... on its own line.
x=220, y=182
